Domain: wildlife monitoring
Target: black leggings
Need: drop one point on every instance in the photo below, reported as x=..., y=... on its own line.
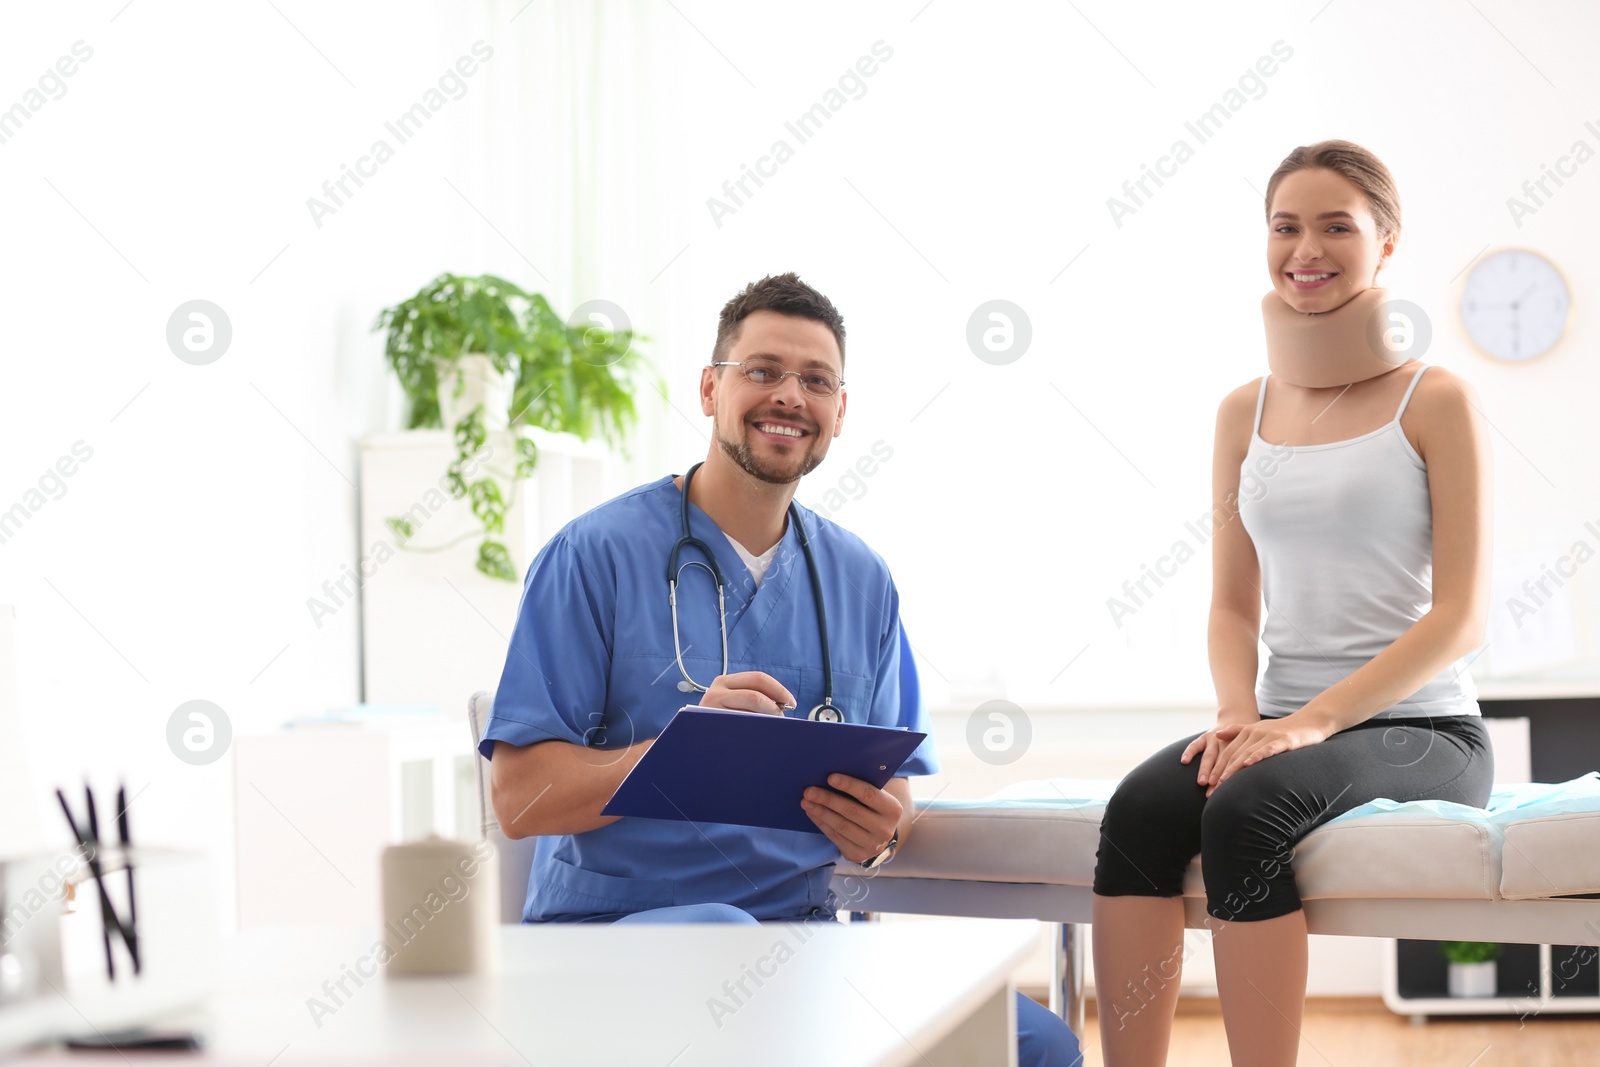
x=1160, y=818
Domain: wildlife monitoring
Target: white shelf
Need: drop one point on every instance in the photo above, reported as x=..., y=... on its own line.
x=1535, y=1003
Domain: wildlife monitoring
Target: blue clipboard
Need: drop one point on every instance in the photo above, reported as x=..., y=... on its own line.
x=711, y=765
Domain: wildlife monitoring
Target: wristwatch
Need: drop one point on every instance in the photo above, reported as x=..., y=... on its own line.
x=874, y=862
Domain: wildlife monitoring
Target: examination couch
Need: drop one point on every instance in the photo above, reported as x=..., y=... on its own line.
x=1525, y=871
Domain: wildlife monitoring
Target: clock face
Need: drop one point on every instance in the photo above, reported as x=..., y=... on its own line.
x=1515, y=305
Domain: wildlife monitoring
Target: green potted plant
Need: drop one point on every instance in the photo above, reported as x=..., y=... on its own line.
x=1472, y=967
x=479, y=355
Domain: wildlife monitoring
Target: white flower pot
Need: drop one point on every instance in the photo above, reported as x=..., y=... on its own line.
x=1472, y=979
x=480, y=383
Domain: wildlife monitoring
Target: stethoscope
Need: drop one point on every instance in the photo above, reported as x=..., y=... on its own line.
x=826, y=711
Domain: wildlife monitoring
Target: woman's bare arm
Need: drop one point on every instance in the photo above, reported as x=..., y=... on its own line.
x=1233, y=631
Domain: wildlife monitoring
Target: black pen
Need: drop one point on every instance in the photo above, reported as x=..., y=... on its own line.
x=108, y=913
x=92, y=858
x=127, y=860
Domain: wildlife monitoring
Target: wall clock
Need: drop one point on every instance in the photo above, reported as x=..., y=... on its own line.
x=1515, y=304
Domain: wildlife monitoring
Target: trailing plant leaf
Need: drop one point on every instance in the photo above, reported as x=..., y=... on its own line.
x=527, y=457
x=495, y=561
x=469, y=432
x=402, y=529
x=469, y=437
x=488, y=504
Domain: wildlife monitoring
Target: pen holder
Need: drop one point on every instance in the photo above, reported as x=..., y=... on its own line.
x=441, y=904
x=55, y=934
x=173, y=918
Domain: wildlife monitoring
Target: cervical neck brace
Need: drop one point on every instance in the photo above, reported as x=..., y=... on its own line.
x=1331, y=348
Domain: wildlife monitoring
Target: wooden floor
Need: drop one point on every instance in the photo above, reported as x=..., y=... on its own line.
x=1363, y=1033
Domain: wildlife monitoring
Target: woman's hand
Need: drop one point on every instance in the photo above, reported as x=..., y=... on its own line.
x=1210, y=746
x=1253, y=743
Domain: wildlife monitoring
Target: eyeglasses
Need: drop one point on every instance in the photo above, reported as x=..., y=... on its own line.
x=768, y=373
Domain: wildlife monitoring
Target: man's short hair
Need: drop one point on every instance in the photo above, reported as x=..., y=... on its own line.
x=785, y=294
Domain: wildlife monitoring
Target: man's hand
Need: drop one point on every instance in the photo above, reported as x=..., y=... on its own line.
x=747, y=691
x=861, y=823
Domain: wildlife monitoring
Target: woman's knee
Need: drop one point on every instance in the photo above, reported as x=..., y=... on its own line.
x=1240, y=818
x=1246, y=854
x=1146, y=840
x=1160, y=788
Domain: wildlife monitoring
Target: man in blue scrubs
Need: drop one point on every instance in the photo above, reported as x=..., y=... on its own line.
x=592, y=675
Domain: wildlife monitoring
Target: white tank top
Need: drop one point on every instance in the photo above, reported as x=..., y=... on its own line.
x=1344, y=535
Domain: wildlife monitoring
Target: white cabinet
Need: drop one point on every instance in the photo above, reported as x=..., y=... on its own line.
x=315, y=807
x=434, y=629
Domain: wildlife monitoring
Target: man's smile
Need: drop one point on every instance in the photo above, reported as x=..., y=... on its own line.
x=781, y=429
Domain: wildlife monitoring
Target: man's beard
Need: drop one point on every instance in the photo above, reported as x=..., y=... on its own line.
x=742, y=454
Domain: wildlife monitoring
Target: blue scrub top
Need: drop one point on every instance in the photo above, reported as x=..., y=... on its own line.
x=591, y=662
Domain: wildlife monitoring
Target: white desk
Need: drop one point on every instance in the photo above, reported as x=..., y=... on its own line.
x=641, y=996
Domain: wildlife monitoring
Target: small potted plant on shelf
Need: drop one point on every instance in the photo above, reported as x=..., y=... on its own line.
x=478, y=355
x=1472, y=967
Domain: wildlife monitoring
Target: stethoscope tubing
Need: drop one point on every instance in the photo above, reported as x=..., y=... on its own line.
x=826, y=711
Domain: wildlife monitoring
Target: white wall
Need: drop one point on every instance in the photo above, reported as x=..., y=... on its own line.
x=177, y=165
x=979, y=164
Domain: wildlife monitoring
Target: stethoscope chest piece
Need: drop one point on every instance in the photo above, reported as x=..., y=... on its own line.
x=826, y=713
